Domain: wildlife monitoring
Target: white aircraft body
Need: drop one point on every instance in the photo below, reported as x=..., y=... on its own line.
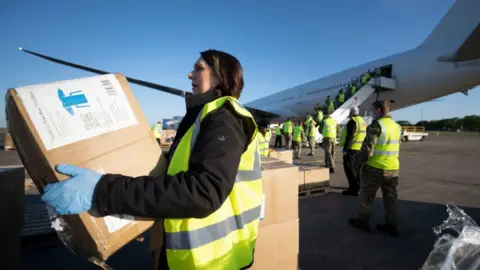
x=448, y=61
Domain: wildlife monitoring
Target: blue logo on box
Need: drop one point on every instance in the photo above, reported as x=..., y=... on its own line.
x=75, y=99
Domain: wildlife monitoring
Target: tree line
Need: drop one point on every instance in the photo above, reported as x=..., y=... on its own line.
x=467, y=123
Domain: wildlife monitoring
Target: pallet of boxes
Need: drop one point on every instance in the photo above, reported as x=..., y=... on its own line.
x=278, y=238
x=312, y=179
x=92, y=122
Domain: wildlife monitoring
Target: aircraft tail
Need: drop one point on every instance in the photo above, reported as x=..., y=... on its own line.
x=458, y=33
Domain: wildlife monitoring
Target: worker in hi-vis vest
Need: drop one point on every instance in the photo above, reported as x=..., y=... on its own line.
x=329, y=132
x=298, y=135
x=340, y=98
x=278, y=136
x=351, y=140
x=157, y=131
x=268, y=134
x=310, y=132
x=263, y=140
x=380, y=150
x=287, y=132
x=330, y=106
x=210, y=197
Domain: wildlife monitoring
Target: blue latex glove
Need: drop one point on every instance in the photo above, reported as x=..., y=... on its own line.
x=73, y=195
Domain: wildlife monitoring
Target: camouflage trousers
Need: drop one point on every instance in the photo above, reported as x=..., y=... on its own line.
x=311, y=144
x=288, y=141
x=298, y=148
x=329, y=147
x=371, y=180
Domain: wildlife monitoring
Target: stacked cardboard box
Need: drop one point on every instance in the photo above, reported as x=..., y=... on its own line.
x=278, y=237
x=311, y=178
x=94, y=123
x=283, y=155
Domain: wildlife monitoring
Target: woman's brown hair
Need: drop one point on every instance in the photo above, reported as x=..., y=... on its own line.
x=228, y=70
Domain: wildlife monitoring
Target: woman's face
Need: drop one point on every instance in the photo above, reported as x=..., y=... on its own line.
x=203, y=78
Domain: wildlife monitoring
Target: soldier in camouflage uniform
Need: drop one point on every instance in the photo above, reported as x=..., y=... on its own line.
x=329, y=132
x=379, y=153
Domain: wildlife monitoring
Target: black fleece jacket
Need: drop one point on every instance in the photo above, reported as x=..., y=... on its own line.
x=195, y=193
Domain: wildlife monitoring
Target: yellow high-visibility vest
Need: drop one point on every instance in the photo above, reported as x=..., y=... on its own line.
x=319, y=116
x=268, y=135
x=297, y=134
x=387, y=149
x=226, y=238
x=278, y=131
x=329, y=128
x=156, y=132
x=263, y=145
x=288, y=127
x=311, y=128
x=359, y=134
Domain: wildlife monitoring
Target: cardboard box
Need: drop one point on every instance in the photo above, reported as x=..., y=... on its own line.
x=283, y=155
x=266, y=160
x=277, y=247
x=315, y=177
x=280, y=188
x=96, y=123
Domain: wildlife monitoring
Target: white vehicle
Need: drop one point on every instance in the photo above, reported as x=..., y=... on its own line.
x=447, y=62
x=413, y=133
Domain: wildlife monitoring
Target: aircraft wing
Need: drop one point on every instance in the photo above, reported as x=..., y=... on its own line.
x=256, y=112
x=468, y=50
x=162, y=88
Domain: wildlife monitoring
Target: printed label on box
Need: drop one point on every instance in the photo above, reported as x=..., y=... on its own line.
x=65, y=112
x=262, y=209
x=116, y=222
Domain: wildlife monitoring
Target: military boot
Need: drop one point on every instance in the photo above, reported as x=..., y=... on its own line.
x=388, y=229
x=360, y=223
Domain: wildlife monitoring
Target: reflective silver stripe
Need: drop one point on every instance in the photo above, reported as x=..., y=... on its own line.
x=250, y=175
x=196, y=238
x=385, y=153
x=196, y=129
x=382, y=139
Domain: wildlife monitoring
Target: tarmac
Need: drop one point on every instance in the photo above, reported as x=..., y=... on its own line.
x=437, y=171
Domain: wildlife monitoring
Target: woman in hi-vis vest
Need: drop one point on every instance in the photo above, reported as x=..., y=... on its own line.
x=210, y=204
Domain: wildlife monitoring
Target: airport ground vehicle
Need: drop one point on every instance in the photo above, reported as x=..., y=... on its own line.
x=413, y=133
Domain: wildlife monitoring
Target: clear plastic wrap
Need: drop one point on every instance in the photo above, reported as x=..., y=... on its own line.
x=458, y=245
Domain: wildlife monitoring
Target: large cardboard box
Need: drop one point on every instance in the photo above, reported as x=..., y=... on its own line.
x=283, y=155
x=96, y=123
x=277, y=246
x=280, y=188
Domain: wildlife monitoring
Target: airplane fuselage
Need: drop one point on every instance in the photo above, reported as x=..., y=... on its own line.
x=418, y=74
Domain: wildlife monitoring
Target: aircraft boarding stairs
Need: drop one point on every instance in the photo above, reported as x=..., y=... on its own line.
x=372, y=87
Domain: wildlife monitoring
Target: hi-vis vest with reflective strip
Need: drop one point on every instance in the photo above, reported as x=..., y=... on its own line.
x=386, y=152
x=297, y=134
x=359, y=134
x=226, y=238
x=287, y=127
x=329, y=128
x=262, y=144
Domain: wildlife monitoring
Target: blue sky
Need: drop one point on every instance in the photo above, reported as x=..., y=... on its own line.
x=279, y=43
